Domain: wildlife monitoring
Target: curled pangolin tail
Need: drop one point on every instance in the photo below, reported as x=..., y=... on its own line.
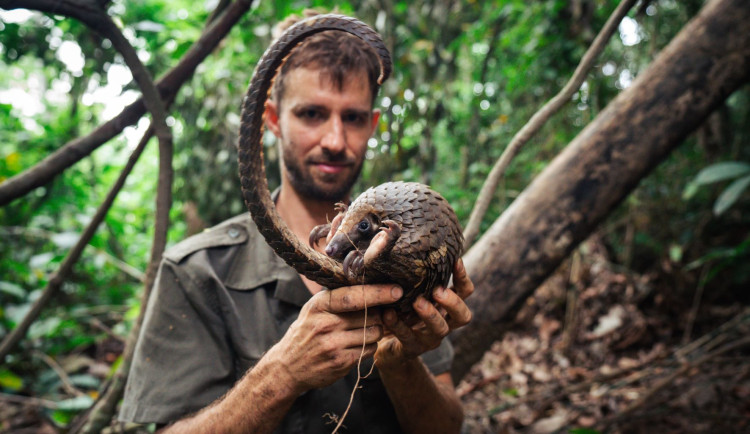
x=304, y=259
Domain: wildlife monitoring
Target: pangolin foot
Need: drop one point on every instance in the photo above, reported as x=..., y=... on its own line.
x=319, y=232
x=354, y=263
x=383, y=241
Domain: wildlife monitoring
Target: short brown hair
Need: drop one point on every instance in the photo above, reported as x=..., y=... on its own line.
x=335, y=53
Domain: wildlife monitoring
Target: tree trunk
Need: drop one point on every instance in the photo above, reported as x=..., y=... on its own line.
x=694, y=74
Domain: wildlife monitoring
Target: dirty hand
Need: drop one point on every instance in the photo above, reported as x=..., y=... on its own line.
x=326, y=340
x=448, y=313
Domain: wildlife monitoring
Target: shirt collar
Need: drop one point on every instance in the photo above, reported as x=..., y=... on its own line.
x=256, y=264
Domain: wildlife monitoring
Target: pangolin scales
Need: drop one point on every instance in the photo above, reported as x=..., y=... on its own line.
x=425, y=238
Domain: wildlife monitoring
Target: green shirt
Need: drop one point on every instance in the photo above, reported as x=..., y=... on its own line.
x=221, y=299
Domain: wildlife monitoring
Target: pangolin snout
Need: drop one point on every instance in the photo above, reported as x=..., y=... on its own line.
x=337, y=249
x=331, y=250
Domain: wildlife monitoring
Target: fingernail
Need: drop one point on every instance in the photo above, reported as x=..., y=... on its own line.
x=439, y=292
x=396, y=292
x=422, y=303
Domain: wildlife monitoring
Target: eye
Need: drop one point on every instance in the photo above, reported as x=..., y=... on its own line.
x=355, y=118
x=309, y=114
x=364, y=226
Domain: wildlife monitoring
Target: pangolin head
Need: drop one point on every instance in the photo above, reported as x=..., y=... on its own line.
x=354, y=228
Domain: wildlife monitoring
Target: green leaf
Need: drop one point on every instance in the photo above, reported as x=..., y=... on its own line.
x=690, y=190
x=511, y=392
x=730, y=195
x=12, y=289
x=66, y=240
x=675, y=253
x=62, y=418
x=45, y=328
x=86, y=381
x=75, y=404
x=115, y=366
x=720, y=254
x=721, y=171
x=11, y=381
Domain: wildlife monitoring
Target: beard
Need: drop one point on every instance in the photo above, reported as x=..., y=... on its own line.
x=327, y=187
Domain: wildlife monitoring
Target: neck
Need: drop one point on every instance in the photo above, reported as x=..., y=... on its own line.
x=301, y=215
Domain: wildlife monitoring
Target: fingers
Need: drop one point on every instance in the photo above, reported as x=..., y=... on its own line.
x=355, y=298
x=456, y=312
x=356, y=320
x=462, y=284
x=431, y=317
x=355, y=338
x=416, y=339
x=405, y=335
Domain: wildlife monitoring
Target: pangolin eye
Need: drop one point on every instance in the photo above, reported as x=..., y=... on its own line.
x=364, y=226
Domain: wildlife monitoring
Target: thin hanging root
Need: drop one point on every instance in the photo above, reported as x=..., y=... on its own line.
x=359, y=364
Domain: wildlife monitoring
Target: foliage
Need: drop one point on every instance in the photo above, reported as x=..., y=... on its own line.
x=718, y=172
x=468, y=75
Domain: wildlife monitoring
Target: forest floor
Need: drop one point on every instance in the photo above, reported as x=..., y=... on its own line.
x=597, y=348
x=601, y=349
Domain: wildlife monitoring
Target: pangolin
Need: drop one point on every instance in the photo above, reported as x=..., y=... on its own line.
x=429, y=241
x=400, y=232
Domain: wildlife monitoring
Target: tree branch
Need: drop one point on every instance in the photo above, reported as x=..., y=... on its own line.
x=73, y=151
x=539, y=119
x=64, y=378
x=686, y=82
x=48, y=235
x=666, y=381
x=104, y=408
x=29, y=400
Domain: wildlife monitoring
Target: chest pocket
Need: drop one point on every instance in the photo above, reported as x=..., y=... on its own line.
x=256, y=322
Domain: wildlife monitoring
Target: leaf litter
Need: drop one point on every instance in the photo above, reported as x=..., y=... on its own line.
x=602, y=350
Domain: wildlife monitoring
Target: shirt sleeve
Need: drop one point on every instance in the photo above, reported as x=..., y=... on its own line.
x=182, y=360
x=440, y=359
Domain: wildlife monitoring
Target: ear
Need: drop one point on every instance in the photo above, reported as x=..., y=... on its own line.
x=272, y=118
x=375, y=119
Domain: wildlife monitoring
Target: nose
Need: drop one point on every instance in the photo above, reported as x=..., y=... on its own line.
x=338, y=247
x=334, y=139
x=331, y=250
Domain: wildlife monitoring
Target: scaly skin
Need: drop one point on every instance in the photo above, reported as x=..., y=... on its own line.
x=411, y=236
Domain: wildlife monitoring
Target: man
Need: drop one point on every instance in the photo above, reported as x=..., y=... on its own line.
x=235, y=340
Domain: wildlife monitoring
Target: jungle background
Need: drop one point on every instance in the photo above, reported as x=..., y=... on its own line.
x=644, y=327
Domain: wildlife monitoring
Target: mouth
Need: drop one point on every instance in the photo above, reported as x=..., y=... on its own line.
x=330, y=167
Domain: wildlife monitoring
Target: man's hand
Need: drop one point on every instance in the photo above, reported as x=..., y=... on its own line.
x=326, y=340
x=436, y=321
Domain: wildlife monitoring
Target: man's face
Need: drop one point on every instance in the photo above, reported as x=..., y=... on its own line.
x=323, y=132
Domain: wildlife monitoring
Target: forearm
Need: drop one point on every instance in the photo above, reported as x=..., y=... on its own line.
x=422, y=402
x=257, y=403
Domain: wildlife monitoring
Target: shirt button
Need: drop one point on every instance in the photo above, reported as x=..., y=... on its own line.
x=233, y=232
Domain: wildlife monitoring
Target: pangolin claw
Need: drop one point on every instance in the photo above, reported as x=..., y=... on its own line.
x=319, y=232
x=354, y=263
x=393, y=229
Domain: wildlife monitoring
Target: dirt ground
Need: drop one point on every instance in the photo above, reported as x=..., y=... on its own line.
x=601, y=349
